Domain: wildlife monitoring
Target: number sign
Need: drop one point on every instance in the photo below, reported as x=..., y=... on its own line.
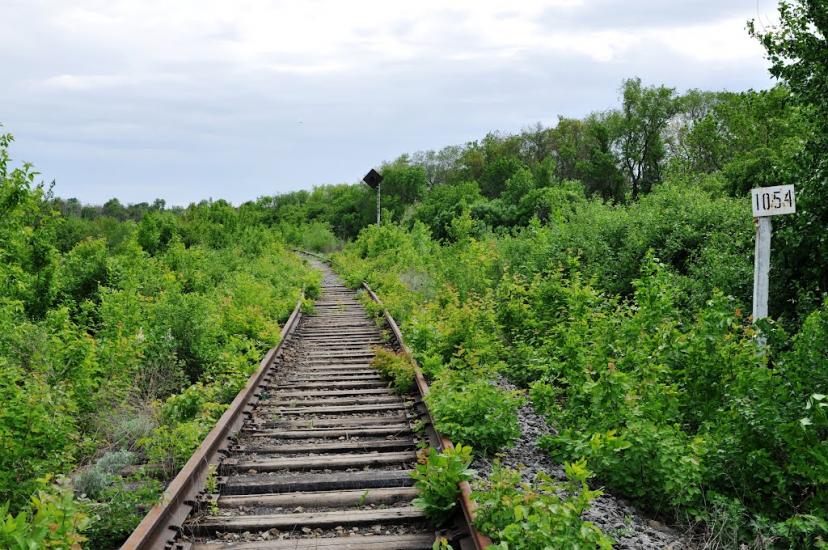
x=773, y=201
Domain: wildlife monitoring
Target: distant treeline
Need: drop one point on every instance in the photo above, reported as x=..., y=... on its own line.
x=111, y=209
x=722, y=143
x=751, y=138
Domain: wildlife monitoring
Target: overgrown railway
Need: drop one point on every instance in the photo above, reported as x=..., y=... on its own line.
x=315, y=452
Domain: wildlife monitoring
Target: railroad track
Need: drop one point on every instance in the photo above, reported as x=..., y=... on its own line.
x=315, y=453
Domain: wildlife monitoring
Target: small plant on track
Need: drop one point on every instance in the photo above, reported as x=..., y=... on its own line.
x=437, y=478
x=519, y=516
x=396, y=366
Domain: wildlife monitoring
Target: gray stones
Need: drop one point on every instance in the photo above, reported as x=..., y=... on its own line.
x=613, y=515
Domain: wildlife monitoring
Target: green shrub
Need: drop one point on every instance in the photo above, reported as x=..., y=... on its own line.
x=119, y=509
x=437, y=480
x=94, y=480
x=81, y=270
x=91, y=482
x=155, y=231
x=396, y=366
x=52, y=520
x=318, y=237
x=474, y=412
x=37, y=430
x=171, y=446
x=100, y=316
x=662, y=389
x=126, y=430
x=518, y=516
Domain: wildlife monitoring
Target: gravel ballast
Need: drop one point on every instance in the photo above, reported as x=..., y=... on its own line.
x=613, y=515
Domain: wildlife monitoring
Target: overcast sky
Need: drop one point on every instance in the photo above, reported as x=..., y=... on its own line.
x=192, y=99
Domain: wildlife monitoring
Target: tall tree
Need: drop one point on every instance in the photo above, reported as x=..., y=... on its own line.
x=568, y=144
x=599, y=170
x=440, y=166
x=114, y=209
x=639, y=127
x=798, y=52
x=403, y=184
x=536, y=144
x=694, y=108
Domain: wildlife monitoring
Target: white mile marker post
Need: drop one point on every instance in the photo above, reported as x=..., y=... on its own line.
x=766, y=202
x=761, y=267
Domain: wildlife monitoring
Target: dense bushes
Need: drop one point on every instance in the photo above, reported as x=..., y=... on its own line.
x=709, y=148
x=395, y=366
x=51, y=520
x=721, y=141
x=603, y=265
x=646, y=370
x=474, y=412
x=120, y=339
x=437, y=477
x=38, y=429
x=518, y=516
x=666, y=409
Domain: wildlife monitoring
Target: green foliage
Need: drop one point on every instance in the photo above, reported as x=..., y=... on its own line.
x=155, y=231
x=644, y=114
x=52, y=520
x=518, y=516
x=703, y=145
x=402, y=185
x=444, y=203
x=396, y=366
x=473, y=411
x=654, y=378
x=796, y=50
x=170, y=446
x=94, y=480
x=754, y=138
x=665, y=410
x=116, y=503
x=516, y=255
x=496, y=175
x=599, y=169
x=81, y=270
x=124, y=337
x=318, y=237
x=437, y=478
x=345, y=208
x=118, y=510
x=27, y=229
x=37, y=429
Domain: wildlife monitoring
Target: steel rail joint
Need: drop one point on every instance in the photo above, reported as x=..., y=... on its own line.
x=163, y=523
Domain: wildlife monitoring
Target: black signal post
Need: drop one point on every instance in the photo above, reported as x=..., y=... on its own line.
x=373, y=179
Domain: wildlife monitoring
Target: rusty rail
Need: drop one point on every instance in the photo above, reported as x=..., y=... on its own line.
x=467, y=505
x=159, y=528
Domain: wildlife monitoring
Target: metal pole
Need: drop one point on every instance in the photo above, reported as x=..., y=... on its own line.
x=378, y=203
x=761, y=267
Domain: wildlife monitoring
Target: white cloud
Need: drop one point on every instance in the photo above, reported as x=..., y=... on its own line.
x=84, y=82
x=229, y=80
x=720, y=41
x=325, y=34
x=144, y=38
